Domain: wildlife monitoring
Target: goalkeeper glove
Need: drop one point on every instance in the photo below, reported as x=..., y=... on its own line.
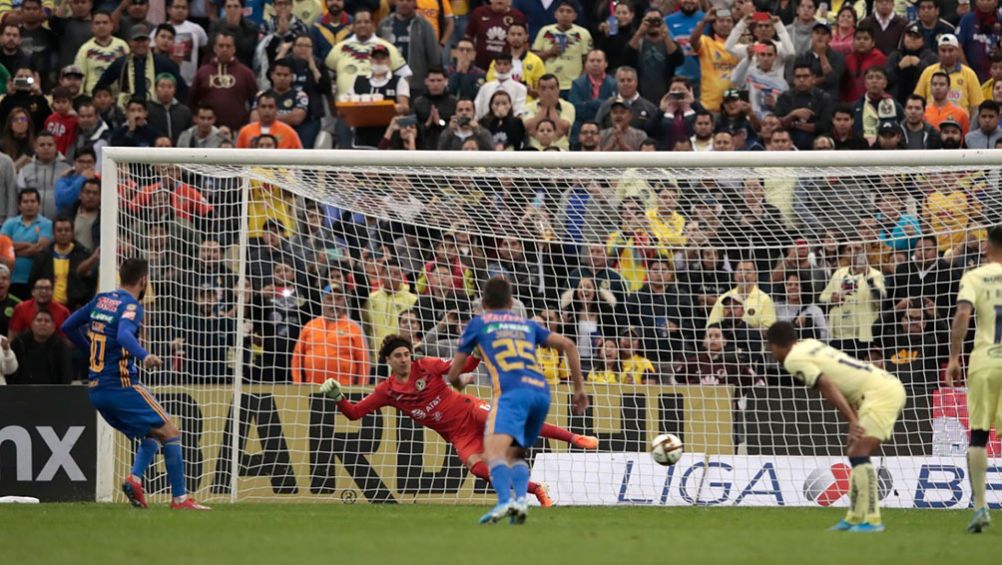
x=332, y=389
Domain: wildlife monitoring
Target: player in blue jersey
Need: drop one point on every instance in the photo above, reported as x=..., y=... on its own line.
x=107, y=329
x=507, y=344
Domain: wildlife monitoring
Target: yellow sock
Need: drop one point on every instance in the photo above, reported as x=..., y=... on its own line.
x=872, y=508
x=858, y=494
x=977, y=467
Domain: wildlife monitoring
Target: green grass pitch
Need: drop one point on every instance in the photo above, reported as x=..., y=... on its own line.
x=411, y=534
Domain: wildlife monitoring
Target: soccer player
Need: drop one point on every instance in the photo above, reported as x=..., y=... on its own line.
x=507, y=344
x=112, y=321
x=980, y=293
x=416, y=384
x=870, y=399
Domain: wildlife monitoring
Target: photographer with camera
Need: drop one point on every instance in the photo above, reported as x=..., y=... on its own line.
x=763, y=79
x=657, y=55
x=402, y=133
x=24, y=91
x=462, y=126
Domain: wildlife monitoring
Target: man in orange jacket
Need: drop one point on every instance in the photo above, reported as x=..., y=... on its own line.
x=332, y=346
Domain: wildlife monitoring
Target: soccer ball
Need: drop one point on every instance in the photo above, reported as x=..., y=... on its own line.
x=666, y=449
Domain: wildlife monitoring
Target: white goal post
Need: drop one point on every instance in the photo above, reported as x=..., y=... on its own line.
x=663, y=267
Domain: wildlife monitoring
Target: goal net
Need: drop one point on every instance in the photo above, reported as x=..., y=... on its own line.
x=272, y=271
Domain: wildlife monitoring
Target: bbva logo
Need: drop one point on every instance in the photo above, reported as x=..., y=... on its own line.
x=59, y=458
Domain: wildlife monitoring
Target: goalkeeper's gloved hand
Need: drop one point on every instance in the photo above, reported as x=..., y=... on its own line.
x=332, y=389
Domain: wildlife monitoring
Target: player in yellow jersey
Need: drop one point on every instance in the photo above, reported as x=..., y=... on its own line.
x=870, y=399
x=980, y=294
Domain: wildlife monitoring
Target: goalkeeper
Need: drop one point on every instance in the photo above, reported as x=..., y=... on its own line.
x=417, y=388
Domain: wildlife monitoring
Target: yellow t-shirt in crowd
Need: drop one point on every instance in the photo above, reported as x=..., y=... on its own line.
x=949, y=216
x=350, y=59
x=428, y=9
x=636, y=369
x=668, y=232
x=553, y=365
x=965, y=88
x=527, y=70
x=715, y=67
x=568, y=65
x=61, y=271
x=760, y=312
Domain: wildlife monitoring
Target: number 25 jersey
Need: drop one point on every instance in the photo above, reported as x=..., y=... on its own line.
x=507, y=344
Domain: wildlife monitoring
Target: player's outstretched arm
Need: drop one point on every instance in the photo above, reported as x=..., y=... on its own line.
x=958, y=331
x=74, y=324
x=567, y=347
x=372, y=402
x=834, y=397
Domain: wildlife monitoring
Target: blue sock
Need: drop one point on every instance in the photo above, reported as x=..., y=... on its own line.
x=144, y=456
x=501, y=479
x=520, y=478
x=175, y=466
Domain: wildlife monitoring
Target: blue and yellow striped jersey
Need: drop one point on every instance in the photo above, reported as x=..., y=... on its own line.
x=111, y=364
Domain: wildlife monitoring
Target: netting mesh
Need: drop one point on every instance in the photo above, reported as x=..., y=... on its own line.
x=664, y=278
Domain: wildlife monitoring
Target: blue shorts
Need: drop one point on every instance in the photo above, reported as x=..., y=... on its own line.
x=521, y=414
x=134, y=411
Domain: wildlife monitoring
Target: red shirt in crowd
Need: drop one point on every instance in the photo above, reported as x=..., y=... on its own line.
x=63, y=129
x=24, y=314
x=854, y=79
x=489, y=32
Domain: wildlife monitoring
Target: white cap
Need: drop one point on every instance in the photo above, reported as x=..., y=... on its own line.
x=948, y=39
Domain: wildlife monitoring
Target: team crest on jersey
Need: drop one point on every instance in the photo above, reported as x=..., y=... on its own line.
x=751, y=311
x=130, y=312
x=420, y=385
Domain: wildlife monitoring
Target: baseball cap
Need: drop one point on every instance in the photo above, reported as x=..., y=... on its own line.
x=139, y=31
x=913, y=28
x=619, y=101
x=821, y=25
x=950, y=122
x=732, y=299
x=948, y=39
x=888, y=126
x=379, y=50
x=630, y=331
x=70, y=70
x=723, y=13
x=732, y=94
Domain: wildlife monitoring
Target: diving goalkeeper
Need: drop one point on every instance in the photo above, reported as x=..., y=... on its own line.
x=417, y=388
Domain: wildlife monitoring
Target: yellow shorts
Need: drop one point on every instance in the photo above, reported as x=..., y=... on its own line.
x=984, y=398
x=880, y=409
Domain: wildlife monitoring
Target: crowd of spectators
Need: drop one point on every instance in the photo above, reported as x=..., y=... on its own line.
x=657, y=280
